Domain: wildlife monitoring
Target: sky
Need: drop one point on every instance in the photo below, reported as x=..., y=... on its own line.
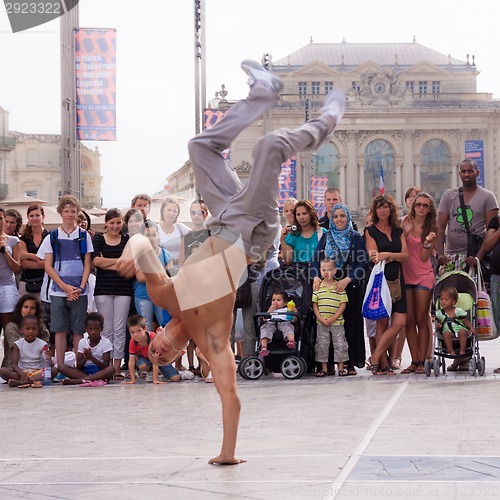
x=155, y=64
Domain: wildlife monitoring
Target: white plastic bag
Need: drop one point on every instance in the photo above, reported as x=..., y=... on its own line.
x=377, y=303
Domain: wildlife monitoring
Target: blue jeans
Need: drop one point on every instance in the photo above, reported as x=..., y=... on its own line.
x=149, y=310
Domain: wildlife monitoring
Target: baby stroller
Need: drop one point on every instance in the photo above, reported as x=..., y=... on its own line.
x=467, y=291
x=292, y=363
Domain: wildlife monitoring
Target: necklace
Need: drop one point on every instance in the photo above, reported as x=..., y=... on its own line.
x=68, y=234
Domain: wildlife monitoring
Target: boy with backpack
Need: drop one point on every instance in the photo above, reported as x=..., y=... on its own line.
x=67, y=251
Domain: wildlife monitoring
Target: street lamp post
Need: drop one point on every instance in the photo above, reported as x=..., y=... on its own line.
x=70, y=146
x=200, y=97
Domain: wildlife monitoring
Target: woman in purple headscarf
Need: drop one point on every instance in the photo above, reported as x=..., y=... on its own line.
x=346, y=247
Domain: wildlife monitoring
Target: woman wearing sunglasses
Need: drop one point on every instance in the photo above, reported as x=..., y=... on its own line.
x=420, y=230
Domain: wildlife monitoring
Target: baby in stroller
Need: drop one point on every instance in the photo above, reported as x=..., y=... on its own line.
x=452, y=321
x=279, y=322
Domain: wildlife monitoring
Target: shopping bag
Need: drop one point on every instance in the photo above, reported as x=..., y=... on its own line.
x=486, y=328
x=377, y=303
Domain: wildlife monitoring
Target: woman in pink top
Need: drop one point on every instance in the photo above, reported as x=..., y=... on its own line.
x=419, y=276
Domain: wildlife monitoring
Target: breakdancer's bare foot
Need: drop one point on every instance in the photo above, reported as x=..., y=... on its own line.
x=220, y=460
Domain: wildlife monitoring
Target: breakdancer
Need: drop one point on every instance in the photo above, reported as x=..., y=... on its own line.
x=244, y=223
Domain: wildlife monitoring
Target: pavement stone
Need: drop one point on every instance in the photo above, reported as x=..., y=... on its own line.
x=406, y=436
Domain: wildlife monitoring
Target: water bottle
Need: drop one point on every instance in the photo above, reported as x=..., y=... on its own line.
x=46, y=367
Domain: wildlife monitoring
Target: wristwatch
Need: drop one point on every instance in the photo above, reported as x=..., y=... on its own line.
x=82, y=289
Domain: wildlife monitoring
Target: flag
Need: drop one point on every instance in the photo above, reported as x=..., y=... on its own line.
x=381, y=188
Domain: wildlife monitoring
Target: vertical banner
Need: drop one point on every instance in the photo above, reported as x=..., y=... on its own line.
x=318, y=187
x=288, y=180
x=95, y=60
x=475, y=151
x=210, y=118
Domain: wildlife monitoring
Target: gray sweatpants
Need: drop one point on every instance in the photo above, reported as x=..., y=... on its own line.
x=249, y=211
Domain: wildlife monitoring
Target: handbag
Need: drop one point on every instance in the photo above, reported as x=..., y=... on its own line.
x=486, y=328
x=377, y=303
x=395, y=288
x=34, y=285
x=243, y=295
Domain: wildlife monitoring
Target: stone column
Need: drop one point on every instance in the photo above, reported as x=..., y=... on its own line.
x=350, y=189
x=409, y=171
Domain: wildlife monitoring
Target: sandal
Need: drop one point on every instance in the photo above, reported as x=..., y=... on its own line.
x=291, y=344
x=352, y=371
x=376, y=370
x=420, y=368
x=389, y=371
x=343, y=373
x=37, y=384
x=118, y=376
x=409, y=369
x=86, y=383
x=368, y=363
x=209, y=379
x=13, y=382
x=322, y=373
x=24, y=386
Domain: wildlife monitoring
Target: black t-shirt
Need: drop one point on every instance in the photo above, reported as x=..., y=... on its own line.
x=31, y=274
x=193, y=240
x=392, y=269
x=495, y=256
x=109, y=282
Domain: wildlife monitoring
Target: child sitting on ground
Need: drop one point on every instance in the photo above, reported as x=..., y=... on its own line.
x=452, y=321
x=138, y=353
x=328, y=306
x=278, y=311
x=27, y=355
x=27, y=305
x=94, y=355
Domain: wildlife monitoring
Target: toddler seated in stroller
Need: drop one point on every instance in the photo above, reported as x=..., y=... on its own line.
x=452, y=321
x=278, y=322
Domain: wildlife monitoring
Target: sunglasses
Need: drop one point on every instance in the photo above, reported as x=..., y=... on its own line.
x=197, y=212
x=422, y=205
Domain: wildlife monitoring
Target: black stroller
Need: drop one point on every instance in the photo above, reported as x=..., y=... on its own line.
x=292, y=363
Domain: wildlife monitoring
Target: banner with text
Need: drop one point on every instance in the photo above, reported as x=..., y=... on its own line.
x=288, y=180
x=475, y=151
x=319, y=185
x=95, y=59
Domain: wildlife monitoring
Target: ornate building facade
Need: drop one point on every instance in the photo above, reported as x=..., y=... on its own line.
x=30, y=164
x=410, y=113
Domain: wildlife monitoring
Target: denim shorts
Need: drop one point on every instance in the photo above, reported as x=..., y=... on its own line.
x=8, y=298
x=66, y=314
x=141, y=360
x=91, y=369
x=419, y=287
x=168, y=371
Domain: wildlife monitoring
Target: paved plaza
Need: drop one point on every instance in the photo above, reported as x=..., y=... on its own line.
x=362, y=437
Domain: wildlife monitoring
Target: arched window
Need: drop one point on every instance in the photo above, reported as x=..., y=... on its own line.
x=379, y=163
x=435, y=168
x=327, y=163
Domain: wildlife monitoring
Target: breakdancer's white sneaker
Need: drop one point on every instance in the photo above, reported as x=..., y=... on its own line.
x=257, y=73
x=334, y=107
